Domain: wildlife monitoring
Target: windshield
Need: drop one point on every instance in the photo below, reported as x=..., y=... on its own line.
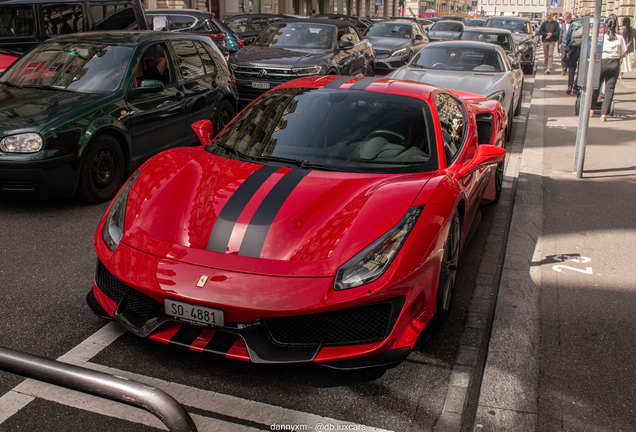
x=16, y=21
x=475, y=23
x=81, y=67
x=344, y=129
x=390, y=30
x=447, y=26
x=459, y=59
x=515, y=26
x=503, y=40
x=297, y=35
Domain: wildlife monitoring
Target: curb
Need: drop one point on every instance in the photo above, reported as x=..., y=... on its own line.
x=460, y=406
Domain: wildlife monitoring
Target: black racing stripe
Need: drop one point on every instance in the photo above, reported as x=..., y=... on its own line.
x=258, y=228
x=338, y=82
x=221, y=342
x=222, y=230
x=364, y=83
x=186, y=335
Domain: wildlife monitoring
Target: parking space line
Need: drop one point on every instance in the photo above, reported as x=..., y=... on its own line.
x=225, y=406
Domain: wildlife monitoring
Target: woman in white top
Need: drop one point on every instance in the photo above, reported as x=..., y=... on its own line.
x=614, y=50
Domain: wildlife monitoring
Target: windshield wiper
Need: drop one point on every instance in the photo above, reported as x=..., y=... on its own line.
x=302, y=163
x=239, y=154
x=11, y=85
x=47, y=87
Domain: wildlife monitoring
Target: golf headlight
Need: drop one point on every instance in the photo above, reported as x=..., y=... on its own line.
x=306, y=71
x=113, y=229
x=373, y=261
x=22, y=143
x=500, y=96
x=399, y=52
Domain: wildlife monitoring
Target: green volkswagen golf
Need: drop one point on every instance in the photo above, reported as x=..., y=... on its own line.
x=80, y=111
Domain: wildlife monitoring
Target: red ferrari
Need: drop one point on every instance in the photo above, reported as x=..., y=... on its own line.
x=323, y=224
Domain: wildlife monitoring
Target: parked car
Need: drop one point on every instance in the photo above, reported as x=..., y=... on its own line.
x=79, y=111
x=501, y=37
x=445, y=30
x=473, y=67
x=395, y=43
x=323, y=225
x=27, y=23
x=451, y=18
x=248, y=26
x=524, y=36
x=188, y=20
x=358, y=23
x=475, y=22
x=300, y=48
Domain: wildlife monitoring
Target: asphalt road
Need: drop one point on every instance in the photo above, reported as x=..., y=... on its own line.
x=46, y=268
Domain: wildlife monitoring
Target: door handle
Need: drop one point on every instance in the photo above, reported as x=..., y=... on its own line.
x=178, y=96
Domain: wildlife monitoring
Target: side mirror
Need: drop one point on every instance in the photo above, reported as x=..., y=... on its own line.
x=204, y=131
x=346, y=45
x=419, y=37
x=150, y=86
x=485, y=154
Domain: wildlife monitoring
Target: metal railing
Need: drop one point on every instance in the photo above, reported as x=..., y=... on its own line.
x=134, y=393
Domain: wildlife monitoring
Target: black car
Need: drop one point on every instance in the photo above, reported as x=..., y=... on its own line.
x=188, y=20
x=500, y=37
x=300, y=48
x=395, y=43
x=359, y=24
x=445, y=30
x=475, y=22
x=524, y=36
x=248, y=26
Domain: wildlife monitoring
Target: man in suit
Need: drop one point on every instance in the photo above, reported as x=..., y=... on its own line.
x=549, y=32
x=562, y=43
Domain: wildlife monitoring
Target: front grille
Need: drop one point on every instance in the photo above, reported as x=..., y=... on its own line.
x=17, y=185
x=136, y=302
x=382, y=54
x=355, y=326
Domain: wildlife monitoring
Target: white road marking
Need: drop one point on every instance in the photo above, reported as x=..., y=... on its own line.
x=218, y=403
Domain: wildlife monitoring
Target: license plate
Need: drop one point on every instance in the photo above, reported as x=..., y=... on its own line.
x=195, y=314
x=260, y=85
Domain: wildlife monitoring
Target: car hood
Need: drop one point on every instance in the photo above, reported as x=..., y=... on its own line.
x=443, y=35
x=388, y=43
x=31, y=110
x=278, y=57
x=472, y=82
x=198, y=208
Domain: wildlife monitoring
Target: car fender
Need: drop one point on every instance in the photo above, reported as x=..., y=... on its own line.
x=104, y=124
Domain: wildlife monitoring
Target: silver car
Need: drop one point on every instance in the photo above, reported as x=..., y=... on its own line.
x=473, y=67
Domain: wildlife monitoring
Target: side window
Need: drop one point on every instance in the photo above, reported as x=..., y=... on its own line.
x=181, y=21
x=155, y=65
x=452, y=123
x=238, y=25
x=416, y=30
x=62, y=19
x=258, y=24
x=347, y=34
x=114, y=17
x=353, y=35
x=18, y=21
x=210, y=66
x=188, y=59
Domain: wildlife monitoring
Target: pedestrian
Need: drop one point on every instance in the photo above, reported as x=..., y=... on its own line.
x=563, y=37
x=629, y=33
x=312, y=13
x=549, y=33
x=614, y=50
x=574, y=52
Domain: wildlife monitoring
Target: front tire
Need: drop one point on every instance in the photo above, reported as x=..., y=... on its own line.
x=224, y=114
x=509, y=126
x=370, y=72
x=518, y=107
x=102, y=171
x=448, y=271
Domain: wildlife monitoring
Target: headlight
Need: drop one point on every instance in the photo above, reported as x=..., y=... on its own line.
x=306, y=71
x=373, y=261
x=400, y=52
x=23, y=143
x=113, y=229
x=500, y=96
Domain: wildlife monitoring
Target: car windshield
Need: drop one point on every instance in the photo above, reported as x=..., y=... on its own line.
x=465, y=58
x=515, y=26
x=502, y=40
x=339, y=130
x=390, y=30
x=16, y=21
x=296, y=35
x=447, y=26
x=76, y=66
x=475, y=23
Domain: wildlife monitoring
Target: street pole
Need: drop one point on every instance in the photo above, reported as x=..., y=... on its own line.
x=589, y=91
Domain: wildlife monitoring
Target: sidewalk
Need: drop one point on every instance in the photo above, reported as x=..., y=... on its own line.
x=562, y=349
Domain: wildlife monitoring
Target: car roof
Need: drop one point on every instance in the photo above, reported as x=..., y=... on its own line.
x=124, y=37
x=509, y=18
x=337, y=23
x=448, y=21
x=487, y=29
x=465, y=44
x=178, y=12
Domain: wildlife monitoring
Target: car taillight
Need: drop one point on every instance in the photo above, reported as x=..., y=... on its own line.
x=217, y=36
x=241, y=43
